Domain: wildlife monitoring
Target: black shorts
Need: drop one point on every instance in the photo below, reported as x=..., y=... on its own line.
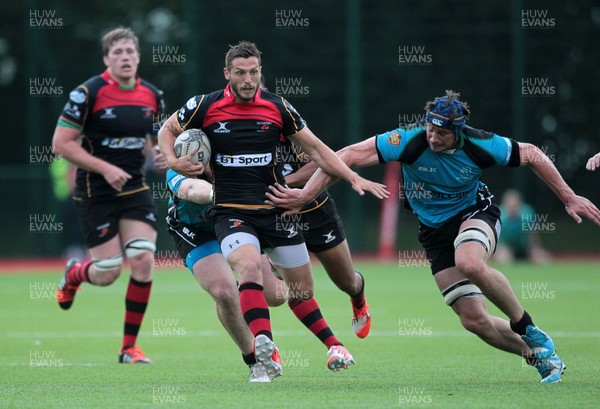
x=99, y=218
x=268, y=225
x=439, y=242
x=324, y=229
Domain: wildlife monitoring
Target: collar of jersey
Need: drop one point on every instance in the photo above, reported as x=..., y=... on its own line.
x=229, y=95
x=106, y=77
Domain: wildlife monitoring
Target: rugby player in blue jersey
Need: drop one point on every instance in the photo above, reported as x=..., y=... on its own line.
x=442, y=162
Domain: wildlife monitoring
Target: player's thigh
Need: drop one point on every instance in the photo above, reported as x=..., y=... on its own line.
x=246, y=261
x=107, y=250
x=215, y=276
x=135, y=229
x=337, y=261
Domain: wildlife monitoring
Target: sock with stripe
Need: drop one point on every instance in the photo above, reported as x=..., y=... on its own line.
x=79, y=275
x=136, y=301
x=255, y=309
x=308, y=312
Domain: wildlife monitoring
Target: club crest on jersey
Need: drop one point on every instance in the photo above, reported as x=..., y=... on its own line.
x=394, y=138
x=191, y=103
x=222, y=128
x=77, y=96
x=108, y=114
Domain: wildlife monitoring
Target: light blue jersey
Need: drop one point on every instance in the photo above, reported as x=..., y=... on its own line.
x=187, y=212
x=440, y=185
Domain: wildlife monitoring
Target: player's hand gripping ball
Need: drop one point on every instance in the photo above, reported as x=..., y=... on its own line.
x=191, y=140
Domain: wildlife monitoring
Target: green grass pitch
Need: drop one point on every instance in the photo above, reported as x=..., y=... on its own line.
x=417, y=356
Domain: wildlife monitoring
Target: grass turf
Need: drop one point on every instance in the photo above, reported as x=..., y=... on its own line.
x=417, y=355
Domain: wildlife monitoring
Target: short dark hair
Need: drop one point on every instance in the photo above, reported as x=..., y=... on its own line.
x=244, y=49
x=119, y=33
x=430, y=105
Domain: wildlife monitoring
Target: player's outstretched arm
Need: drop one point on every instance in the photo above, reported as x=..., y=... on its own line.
x=593, y=163
x=327, y=160
x=65, y=143
x=361, y=154
x=576, y=206
x=166, y=139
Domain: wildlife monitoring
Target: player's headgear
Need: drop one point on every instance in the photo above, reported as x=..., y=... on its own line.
x=448, y=112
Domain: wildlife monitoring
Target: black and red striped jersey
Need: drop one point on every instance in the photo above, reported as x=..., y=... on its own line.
x=115, y=122
x=244, y=140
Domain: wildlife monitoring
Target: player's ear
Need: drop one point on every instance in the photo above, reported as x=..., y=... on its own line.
x=105, y=59
x=226, y=73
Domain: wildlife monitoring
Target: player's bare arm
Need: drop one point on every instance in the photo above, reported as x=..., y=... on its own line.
x=593, y=163
x=323, y=156
x=195, y=190
x=302, y=175
x=361, y=154
x=166, y=139
x=575, y=205
x=65, y=143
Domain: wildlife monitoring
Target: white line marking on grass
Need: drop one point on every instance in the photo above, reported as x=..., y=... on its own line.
x=282, y=333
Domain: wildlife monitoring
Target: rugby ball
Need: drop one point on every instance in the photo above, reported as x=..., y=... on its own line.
x=193, y=140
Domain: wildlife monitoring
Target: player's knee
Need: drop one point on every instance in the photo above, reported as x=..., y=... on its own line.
x=139, y=245
x=478, y=323
x=224, y=293
x=140, y=253
x=470, y=266
x=249, y=270
x=107, y=270
x=106, y=277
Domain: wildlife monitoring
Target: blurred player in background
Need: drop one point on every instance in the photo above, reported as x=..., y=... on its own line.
x=195, y=240
x=244, y=125
x=103, y=130
x=517, y=241
x=442, y=161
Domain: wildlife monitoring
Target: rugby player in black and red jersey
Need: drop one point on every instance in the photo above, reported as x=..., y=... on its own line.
x=244, y=124
x=323, y=231
x=103, y=130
